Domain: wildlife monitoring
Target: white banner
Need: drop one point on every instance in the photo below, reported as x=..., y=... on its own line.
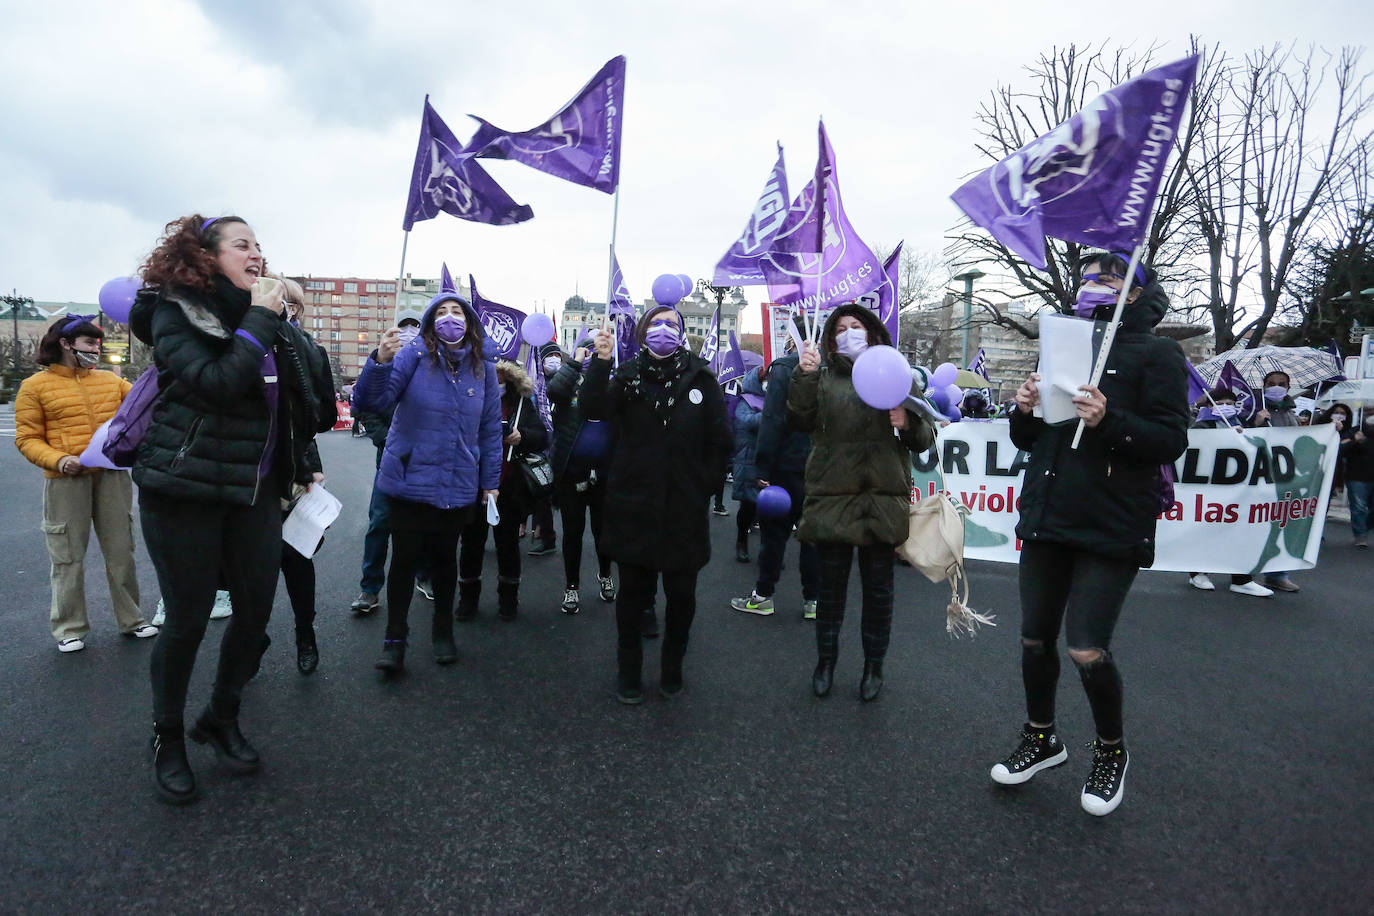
x=1246, y=503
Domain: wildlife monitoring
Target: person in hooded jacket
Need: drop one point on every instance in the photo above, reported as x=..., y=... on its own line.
x=1087, y=521
x=243, y=394
x=673, y=447
x=858, y=488
x=746, y=488
x=524, y=435
x=442, y=461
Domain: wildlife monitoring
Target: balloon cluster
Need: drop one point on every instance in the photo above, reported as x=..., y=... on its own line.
x=882, y=379
x=117, y=297
x=670, y=289
x=944, y=394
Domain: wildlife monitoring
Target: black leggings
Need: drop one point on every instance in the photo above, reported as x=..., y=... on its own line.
x=574, y=507
x=433, y=543
x=638, y=588
x=875, y=574
x=474, y=546
x=744, y=518
x=186, y=539
x=299, y=574
x=1082, y=592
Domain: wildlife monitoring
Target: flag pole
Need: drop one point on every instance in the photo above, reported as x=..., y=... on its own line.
x=1107, y=338
x=820, y=230
x=610, y=266
x=400, y=278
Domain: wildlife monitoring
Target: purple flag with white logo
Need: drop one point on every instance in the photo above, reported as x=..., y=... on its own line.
x=814, y=266
x=710, y=347
x=502, y=324
x=979, y=366
x=1231, y=379
x=731, y=363
x=1092, y=179
x=740, y=266
x=581, y=143
x=883, y=300
x=446, y=284
x=621, y=310
x=445, y=179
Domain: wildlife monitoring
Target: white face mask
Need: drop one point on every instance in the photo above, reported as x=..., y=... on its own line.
x=1227, y=410
x=552, y=364
x=852, y=342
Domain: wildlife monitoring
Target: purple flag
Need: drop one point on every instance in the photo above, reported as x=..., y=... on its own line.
x=817, y=268
x=446, y=284
x=581, y=143
x=710, y=347
x=979, y=366
x=740, y=266
x=883, y=300
x=1092, y=179
x=502, y=324
x=534, y=367
x=1197, y=385
x=446, y=179
x=731, y=363
x=621, y=311
x=1231, y=379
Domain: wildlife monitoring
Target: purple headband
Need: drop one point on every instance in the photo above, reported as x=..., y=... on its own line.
x=206, y=225
x=1139, y=267
x=76, y=321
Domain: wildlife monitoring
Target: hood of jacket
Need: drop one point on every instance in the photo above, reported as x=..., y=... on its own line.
x=877, y=331
x=516, y=375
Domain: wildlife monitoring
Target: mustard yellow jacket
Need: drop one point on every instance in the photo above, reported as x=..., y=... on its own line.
x=57, y=411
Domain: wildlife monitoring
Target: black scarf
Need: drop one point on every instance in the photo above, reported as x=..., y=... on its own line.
x=230, y=302
x=655, y=379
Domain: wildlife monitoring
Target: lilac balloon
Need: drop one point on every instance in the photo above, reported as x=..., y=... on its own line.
x=955, y=394
x=954, y=414
x=774, y=502
x=944, y=375
x=666, y=289
x=882, y=377
x=117, y=297
x=939, y=398
x=687, y=285
x=537, y=329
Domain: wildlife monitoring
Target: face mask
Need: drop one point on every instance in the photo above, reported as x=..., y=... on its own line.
x=1090, y=300
x=662, y=339
x=852, y=342
x=450, y=328
x=1227, y=410
x=1275, y=393
x=551, y=364
x=86, y=360
x=408, y=334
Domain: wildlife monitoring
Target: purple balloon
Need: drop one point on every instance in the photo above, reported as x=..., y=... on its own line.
x=955, y=394
x=774, y=502
x=882, y=377
x=117, y=297
x=954, y=414
x=666, y=289
x=939, y=398
x=593, y=443
x=944, y=375
x=537, y=329
x=687, y=285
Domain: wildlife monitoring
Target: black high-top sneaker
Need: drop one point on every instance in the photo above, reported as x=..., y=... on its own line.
x=1040, y=749
x=1106, y=784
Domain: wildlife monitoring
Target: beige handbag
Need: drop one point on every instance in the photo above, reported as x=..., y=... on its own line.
x=935, y=546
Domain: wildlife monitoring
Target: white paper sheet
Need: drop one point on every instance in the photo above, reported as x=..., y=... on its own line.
x=313, y=513
x=1066, y=365
x=493, y=516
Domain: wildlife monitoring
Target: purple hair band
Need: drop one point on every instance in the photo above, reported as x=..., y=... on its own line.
x=206, y=225
x=75, y=322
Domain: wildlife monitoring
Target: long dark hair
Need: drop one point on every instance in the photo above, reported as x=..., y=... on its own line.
x=68, y=327
x=472, y=335
x=185, y=255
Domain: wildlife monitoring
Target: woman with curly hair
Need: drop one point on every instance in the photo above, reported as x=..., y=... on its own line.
x=55, y=414
x=243, y=392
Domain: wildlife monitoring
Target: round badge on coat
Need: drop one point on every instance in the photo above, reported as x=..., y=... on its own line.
x=694, y=396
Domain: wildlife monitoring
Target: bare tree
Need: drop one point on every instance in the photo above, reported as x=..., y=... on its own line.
x=1284, y=142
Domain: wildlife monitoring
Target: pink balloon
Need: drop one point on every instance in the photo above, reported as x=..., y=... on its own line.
x=117, y=297
x=882, y=377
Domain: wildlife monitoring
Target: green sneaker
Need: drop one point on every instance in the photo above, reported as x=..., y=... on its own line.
x=753, y=605
x=808, y=610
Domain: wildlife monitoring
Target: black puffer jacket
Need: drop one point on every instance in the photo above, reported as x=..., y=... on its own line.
x=661, y=477
x=1104, y=496
x=211, y=427
x=782, y=448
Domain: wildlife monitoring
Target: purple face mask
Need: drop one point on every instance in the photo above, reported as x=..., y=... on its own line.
x=1090, y=300
x=450, y=328
x=662, y=338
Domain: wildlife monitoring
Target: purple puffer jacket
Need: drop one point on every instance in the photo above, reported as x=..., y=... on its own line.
x=445, y=441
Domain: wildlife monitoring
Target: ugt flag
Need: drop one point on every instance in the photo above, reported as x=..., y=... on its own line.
x=710, y=347
x=446, y=284
x=502, y=324
x=621, y=311
x=817, y=258
x=581, y=143
x=1092, y=179
x=740, y=266
x=444, y=178
x=731, y=363
x=883, y=300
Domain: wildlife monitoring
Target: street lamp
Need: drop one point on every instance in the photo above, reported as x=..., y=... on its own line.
x=968, y=277
x=718, y=293
x=16, y=302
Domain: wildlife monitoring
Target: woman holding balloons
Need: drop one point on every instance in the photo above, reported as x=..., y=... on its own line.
x=674, y=443
x=858, y=481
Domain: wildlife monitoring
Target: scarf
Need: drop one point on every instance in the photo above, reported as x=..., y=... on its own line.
x=655, y=379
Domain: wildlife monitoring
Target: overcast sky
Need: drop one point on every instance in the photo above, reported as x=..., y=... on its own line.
x=302, y=117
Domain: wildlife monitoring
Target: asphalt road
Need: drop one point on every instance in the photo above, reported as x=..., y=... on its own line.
x=514, y=782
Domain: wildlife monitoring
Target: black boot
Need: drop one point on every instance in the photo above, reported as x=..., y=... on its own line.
x=469, y=590
x=393, y=656
x=445, y=651
x=742, y=550
x=507, y=598
x=824, y=677
x=231, y=749
x=172, y=775
x=307, y=653
x=872, y=682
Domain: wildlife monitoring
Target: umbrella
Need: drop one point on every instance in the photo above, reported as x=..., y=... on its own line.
x=970, y=379
x=1356, y=392
x=1305, y=365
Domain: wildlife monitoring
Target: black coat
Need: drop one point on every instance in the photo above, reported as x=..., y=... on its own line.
x=211, y=426
x=516, y=499
x=661, y=477
x=1104, y=497
x=781, y=447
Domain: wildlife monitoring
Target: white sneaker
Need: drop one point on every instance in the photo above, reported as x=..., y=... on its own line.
x=1200, y=582
x=160, y=616
x=1254, y=589
x=75, y=644
x=143, y=631
x=223, y=607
